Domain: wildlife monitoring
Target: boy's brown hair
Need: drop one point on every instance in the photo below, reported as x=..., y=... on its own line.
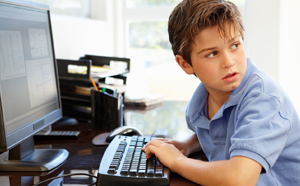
x=191, y=16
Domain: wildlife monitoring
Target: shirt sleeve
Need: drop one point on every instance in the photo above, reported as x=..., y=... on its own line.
x=261, y=130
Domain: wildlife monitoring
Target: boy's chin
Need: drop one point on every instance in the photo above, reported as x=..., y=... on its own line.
x=233, y=87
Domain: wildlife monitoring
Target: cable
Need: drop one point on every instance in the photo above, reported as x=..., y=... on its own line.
x=50, y=179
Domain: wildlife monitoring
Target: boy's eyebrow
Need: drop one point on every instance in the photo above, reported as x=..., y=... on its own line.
x=213, y=48
x=233, y=38
x=206, y=49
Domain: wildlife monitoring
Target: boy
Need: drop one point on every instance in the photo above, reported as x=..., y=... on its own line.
x=242, y=119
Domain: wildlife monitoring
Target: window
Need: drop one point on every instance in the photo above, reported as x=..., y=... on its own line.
x=147, y=32
x=141, y=3
x=149, y=42
x=79, y=8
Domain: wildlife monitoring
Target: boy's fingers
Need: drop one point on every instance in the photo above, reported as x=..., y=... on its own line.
x=152, y=147
x=167, y=140
x=149, y=151
x=154, y=142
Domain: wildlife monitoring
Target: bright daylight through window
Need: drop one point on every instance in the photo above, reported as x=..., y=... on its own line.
x=80, y=8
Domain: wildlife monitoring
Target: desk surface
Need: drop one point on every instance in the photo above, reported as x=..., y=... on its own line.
x=85, y=157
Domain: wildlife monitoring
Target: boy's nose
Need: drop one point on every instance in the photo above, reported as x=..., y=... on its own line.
x=227, y=61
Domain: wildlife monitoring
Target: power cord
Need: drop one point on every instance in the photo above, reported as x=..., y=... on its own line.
x=65, y=175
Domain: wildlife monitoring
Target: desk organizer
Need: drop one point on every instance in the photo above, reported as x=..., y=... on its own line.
x=107, y=109
x=75, y=85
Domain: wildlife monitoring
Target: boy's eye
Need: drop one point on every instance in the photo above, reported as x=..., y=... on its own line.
x=235, y=45
x=212, y=54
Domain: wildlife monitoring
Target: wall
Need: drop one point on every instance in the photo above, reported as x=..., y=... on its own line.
x=273, y=41
x=75, y=37
x=289, y=47
x=262, y=34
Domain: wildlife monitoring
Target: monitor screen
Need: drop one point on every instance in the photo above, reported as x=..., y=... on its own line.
x=29, y=90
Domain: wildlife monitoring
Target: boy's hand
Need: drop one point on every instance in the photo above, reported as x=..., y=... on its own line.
x=165, y=152
x=181, y=146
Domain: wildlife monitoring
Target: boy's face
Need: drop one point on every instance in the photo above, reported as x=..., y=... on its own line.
x=219, y=63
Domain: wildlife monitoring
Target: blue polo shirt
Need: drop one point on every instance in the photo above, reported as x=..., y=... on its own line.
x=257, y=121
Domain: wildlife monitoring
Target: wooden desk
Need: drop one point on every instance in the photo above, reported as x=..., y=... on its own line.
x=85, y=157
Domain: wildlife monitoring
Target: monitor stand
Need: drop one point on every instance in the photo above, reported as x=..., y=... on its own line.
x=24, y=157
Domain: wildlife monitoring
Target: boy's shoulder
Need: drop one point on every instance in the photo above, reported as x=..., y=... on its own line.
x=257, y=80
x=260, y=81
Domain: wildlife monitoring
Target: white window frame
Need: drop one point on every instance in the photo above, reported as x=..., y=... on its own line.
x=123, y=15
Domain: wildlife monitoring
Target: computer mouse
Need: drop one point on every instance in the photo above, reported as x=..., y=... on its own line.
x=123, y=130
x=161, y=133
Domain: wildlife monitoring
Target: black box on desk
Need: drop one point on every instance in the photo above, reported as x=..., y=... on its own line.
x=107, y=109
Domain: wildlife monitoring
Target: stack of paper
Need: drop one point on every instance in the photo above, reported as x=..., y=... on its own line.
x=147, y=100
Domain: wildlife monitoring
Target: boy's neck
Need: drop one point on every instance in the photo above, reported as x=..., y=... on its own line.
x=215, y=102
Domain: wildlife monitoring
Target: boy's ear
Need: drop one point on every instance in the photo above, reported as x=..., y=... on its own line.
x=184, y=65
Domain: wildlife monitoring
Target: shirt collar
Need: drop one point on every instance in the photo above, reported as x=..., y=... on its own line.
x=195, y=108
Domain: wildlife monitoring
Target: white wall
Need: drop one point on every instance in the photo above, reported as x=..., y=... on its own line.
x=273, y=41
x=289, y=47
x=262, y=34
x=74, y=37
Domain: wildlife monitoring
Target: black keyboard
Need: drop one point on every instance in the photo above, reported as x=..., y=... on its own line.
x=124, y=163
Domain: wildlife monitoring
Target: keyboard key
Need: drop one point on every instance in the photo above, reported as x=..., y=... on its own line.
x=142, y=172
x=118, y=155
x=134, y=137
x=112, y=171
x=147, y=139
x=150, y=172
x=133, y=171
x=158, y=164
x=140, y=139
x=132, y=143
x=124, y=172
x=140, y=144
x=123, y=143
x=158, y=173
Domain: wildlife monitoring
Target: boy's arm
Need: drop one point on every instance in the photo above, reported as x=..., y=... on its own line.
x=236, y=171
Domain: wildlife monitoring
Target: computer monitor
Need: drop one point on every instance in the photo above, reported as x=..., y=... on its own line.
x=29, y=88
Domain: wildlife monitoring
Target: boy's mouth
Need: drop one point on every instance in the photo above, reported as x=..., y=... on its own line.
x=230, y=76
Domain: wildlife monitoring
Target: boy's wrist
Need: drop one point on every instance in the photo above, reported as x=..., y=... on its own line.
x=192, y=145
x=178, y=164
x=187, y=149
